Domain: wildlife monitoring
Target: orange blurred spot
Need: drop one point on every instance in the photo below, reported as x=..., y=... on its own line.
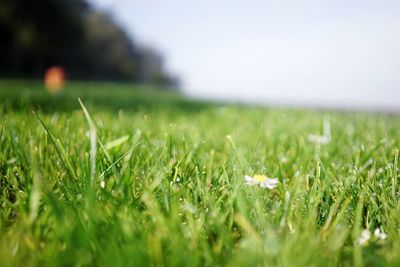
x=54, y=79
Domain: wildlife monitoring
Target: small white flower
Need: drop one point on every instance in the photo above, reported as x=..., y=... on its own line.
x=262, y=181
x=322, y=139
x=318, y=139
x=364, y=237
x=380, y=234
x=102, y=184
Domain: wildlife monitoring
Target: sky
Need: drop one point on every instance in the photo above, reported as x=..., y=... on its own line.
x=312, y=53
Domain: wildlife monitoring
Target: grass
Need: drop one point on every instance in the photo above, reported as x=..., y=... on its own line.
x=142, y=178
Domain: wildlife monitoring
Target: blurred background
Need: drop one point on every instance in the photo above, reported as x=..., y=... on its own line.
x=341, y=54
x=88, y=44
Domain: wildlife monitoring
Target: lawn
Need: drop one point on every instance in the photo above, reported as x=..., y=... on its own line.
x=135, y=176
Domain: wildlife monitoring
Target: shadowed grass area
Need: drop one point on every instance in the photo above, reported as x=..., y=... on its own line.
x=24, y=95
x=137, y=178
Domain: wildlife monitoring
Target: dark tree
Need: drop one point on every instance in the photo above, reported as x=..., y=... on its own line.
x=35, y=35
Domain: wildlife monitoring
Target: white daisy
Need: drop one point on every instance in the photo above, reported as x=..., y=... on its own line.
x=322, y=139
x=380, y=234
x=318, y=139
x=364, y=237
x=262, y=181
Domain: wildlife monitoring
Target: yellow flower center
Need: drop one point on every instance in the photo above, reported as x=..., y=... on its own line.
x=259, y=178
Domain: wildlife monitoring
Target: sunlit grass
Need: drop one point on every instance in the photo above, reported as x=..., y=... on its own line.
x=161, y=182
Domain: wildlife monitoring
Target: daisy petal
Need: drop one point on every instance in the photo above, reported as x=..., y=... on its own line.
x=380, y=234
x=248, y=180
x=364, y=237
x=270, y=183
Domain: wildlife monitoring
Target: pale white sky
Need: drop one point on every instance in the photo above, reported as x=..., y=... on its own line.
x=330, y=53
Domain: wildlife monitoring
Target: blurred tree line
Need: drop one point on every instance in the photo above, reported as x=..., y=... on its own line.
x=89, y=44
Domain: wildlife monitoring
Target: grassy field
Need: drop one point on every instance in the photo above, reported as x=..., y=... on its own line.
x=147, y=178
